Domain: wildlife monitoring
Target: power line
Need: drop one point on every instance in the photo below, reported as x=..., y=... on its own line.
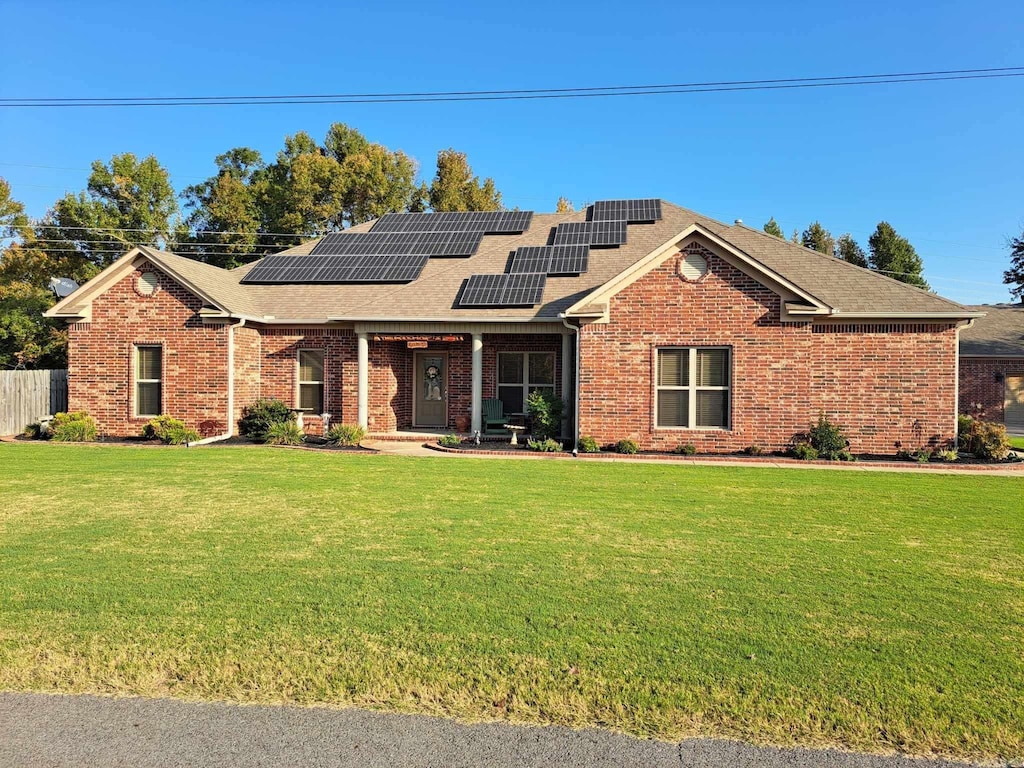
x=521, y=94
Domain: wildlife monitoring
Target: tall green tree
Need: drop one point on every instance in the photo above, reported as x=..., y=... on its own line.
x=895, y=257
x=455, y=188
x=224, y=219
x=772, y=228
x=126, y=202
x=817, y=238
x=847, y=249
x=27, y=339
x=377, y=181
x=1014, y=276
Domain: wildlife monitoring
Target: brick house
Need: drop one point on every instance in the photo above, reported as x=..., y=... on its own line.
x=992, y=366
x=651, y=321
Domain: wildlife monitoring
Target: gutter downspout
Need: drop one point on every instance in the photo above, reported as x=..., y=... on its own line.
x=576, y=385
x=956, y=408
x=231, y=390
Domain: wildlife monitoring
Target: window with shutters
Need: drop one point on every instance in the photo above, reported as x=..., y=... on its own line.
x=311, y=380
x=148, y=378
x=692, y=388
x=520, y=373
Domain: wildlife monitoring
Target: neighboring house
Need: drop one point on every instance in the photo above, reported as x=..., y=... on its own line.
x=652, y=322
x=992, y=366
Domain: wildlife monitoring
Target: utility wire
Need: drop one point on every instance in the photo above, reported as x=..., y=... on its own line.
x=521, y=94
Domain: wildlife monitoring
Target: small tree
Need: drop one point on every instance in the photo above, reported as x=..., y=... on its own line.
x=817, y=238
x=1014, y=276
x=545, y=410
x=895, y=257
x=847, y=249
x=564, y=205
x=772, y=228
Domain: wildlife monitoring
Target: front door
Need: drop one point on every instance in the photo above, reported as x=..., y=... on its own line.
x=430, y=398
x=1015, y=405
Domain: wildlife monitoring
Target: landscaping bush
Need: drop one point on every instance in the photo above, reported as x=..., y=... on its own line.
x=169, y=430
x=258, y=418
x=845, y=455
x=36, y=431
x=285, y=433
x=450, y=441
x=805, y=452
x=75, y=427
x=589, y=445
x=346, y=434
x=964, y=424
x=548, y=445
x=753, y=450
x=827, y=438
x=948, y=455
x=687, y=449
x=987, y=440
x=627, y=446
x=545, y=410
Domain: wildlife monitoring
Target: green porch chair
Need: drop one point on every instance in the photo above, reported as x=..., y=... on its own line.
x=493, y=416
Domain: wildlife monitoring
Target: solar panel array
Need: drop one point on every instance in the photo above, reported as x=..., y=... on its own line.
x=503, y=290
x=550, y=259
x=428, y=243
x=631, y=211
x=335, y=268
x=590, y=233
x=487, y=222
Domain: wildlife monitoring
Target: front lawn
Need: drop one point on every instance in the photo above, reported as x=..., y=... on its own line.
x=871, y=610
x=1017, y=442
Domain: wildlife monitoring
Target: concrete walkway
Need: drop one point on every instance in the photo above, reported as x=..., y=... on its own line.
x=417, y=448
x=44, y=731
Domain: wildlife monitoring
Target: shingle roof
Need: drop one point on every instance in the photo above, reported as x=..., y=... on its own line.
x=837, y=284
x=1000, y=333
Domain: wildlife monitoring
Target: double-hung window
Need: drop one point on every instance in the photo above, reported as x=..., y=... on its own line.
x=692, y=388
x=520, y=373
x=311, y=380
x=148, y=376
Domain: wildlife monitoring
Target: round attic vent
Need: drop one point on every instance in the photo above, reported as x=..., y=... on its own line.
x=147, y=283
x=692, y=266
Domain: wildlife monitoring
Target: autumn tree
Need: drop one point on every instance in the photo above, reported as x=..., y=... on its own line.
x=847, y=249
x=1014, y=276
x=564, y=205
x=772, y=228
x=895, y=257
x=455, y=188
x=817, y=238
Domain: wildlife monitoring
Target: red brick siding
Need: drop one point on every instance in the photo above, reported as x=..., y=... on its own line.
x=981, y=394
x=888, y=387
x=247, y=368
x=101, y=357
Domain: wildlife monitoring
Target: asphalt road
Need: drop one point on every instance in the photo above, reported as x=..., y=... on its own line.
x=44, y=731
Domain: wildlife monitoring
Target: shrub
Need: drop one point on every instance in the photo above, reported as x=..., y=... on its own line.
x=827, y=438
x=964, y=424
x=923, y=455
x=753, y=450
x=805, y=452
x=845, y=455
x=258, y=418
x=36, y=431
x=450, y=441
x=346, y=434
x=545, y=410
x=285, y=433
x=589, y=445
x=689, y=449
x=985, y=439
x=627, y=446
x=548, y=445
x=948, y=455
x=75, y=427
x=158, y=427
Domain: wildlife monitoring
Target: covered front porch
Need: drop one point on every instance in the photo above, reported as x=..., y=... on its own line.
x=425, y=378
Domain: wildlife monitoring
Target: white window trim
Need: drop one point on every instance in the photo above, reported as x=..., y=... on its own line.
x=160, y=381
x=691, y=402
x=525, y=384
x=299, y=382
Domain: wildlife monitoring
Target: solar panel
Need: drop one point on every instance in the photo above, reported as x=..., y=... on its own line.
x=267, y=270
x=486, y=222
x=550, y=259
x=503, y=290
x=590, y=233
x=632, y=211
x=394, y=243
x=388, y=268
x=338, y=268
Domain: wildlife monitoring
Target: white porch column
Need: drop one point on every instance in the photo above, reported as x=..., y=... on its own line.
x=363, y=380
x=567, y=362
x=477, y=397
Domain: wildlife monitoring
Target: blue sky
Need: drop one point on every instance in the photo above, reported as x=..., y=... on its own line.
x=942, y=162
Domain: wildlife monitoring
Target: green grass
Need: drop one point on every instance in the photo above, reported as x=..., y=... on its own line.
x=870, y=610
x=1017, y=442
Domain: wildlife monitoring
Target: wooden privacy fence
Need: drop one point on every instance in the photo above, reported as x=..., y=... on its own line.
x=25, y=396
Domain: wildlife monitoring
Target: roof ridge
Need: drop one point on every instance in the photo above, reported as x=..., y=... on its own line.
x=845, y=263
